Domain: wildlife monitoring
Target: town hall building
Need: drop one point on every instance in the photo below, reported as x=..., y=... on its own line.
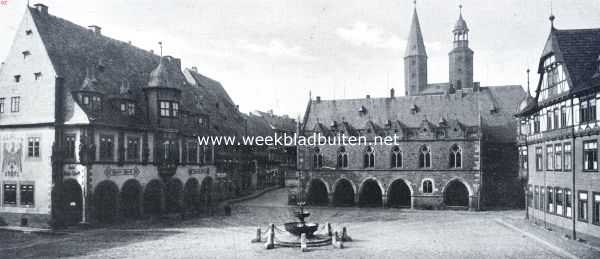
x=457, y=140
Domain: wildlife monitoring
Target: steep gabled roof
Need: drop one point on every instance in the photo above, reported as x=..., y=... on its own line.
x=579, y=50
x=415, y=45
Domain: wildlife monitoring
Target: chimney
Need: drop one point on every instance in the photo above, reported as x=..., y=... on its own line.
x=392, y=93
x=318, y=99
x=368, y=96
x=195, y=69
x=42, y=8
x=97, y=30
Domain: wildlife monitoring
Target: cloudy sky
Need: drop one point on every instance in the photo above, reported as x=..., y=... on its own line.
x=270, y=53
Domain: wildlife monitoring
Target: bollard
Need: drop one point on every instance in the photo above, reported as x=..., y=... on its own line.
x=345, y=236
x=271, y=237
x=303, y=246
x=258, y=237
x=329, y=233
x=336, y=241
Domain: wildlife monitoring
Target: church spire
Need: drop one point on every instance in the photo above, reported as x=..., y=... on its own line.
x=461, y=56
x=415, y=45
x=415, y=59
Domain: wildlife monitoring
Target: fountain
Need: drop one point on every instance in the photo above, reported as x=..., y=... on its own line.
x=301, y=227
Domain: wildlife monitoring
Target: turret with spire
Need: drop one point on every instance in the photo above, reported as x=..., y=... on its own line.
x=461, y=56
x=415, y=59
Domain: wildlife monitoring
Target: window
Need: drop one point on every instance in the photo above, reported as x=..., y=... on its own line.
x=131, y=109
x=549, y=118
x=558, y=157
x=568, y=203
x=536, y=124
x=587, y=110
x=169, y=109
x=133, y=148
x=596, y=209
x=317, y=158
x=427, y=186
x=556, y=119
x=10, y=194
x=37, y=76
x=424, y=157
x=33, y=147
x=550, y=200
x=170, y=151
x=85, y=100
x=27, y=194
x=560, y=196
x=567, y=156
x=455, y=157
x=70, y=146
x=536, y=197
x=17, y=78
x=542, y=198
x=106, y=147
x=369, y=157
x=14, y=103
x=538, y=159
x=342, y=158
x=396, y=160
x=192, y=152
x=28, y=32
x=26, y=54
x=590, y=155
x=549, y=157
x=582, y=213
x=2, y=105
x=553, y=80
x=563, y=116
x=96, y=103
x=523, y=157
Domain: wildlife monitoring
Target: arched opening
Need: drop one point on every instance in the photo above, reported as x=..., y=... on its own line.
x=153, y=195
x=399, y=195
x=131, y=195
x=191, y=196
x=343, y=194
x=206, y=193
x=317, y=193
x=370, y=194
x=72, y=201
x=456, y=194
x=174, y=196
x=105, y=201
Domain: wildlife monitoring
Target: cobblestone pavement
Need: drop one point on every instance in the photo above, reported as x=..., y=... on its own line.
x=377, y=233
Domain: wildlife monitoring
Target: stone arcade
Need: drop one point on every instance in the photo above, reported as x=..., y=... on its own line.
x=457, y=147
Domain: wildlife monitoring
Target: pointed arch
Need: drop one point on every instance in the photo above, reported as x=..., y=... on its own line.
x=399, y=194
x=131, y=196
x=343, y=192
x=370, y=193
x=455, y=157
x=318, y=192
x=424, y=157
x=106, y=195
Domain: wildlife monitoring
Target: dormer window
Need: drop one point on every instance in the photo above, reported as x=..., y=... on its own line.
x=26, y=54
x=17, y=78
x=92, y=102
x=554, y=79
x=37, y=76
x=128, y=108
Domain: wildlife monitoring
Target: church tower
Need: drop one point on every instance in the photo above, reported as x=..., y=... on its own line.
x=415, y=60
x=461, y=56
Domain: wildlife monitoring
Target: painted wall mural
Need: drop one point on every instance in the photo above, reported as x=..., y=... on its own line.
x=12, y=157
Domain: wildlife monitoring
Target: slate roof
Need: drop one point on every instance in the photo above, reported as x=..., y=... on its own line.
x=415, y=44
x=579, y=50
x=281, y=123
x=492, y=106
x=123, y=70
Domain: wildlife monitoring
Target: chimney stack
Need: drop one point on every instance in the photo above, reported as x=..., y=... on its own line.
x=318, y=99
x=42, y=8
x=392, y=93
x=97, y=30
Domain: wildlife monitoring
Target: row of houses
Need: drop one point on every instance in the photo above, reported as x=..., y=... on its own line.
x=99, y=130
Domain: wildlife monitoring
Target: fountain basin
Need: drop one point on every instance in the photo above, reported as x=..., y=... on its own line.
x=299, y=228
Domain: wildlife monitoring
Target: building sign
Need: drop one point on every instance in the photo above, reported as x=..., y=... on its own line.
x=12, y=157
x=221, y=175
x=199, y=171
x=121, y=171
